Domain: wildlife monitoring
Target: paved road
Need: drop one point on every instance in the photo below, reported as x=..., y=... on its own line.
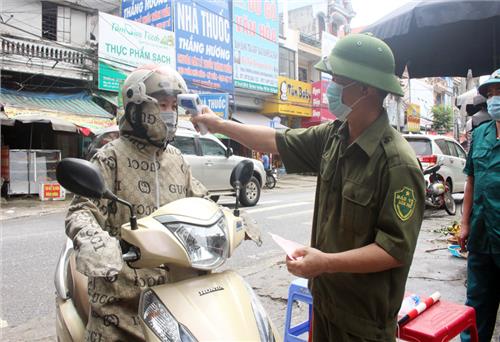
x=31, y=245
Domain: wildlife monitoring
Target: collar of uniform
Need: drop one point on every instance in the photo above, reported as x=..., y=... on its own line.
x=369, y=140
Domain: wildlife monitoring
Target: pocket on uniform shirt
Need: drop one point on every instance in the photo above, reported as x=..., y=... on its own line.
x=357, y=213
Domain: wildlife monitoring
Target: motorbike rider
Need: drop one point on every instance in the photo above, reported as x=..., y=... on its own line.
x=142, y=168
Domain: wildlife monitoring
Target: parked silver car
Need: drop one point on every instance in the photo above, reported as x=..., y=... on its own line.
x=211, y=162
x=439, y=149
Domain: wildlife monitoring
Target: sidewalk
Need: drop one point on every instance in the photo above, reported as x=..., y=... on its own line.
x=17, y=207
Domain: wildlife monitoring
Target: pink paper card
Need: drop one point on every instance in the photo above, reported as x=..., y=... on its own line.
x=288, y=246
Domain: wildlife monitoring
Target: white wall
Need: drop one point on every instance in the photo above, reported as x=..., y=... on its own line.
x=27, y=15
x=422, y=93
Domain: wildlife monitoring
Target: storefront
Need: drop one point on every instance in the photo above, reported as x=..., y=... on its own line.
x=289, y=108
x=292, y=104
x=40, y=129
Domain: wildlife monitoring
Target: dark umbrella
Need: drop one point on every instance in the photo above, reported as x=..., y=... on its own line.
x=443, y=37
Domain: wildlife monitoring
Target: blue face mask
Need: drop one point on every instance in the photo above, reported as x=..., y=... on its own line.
x=494, y=107
x=335, y=104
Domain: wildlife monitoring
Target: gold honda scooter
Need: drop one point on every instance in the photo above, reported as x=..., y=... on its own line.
x=197, y=304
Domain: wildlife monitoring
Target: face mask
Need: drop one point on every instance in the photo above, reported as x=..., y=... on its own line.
x=335, y=104
x=170, y=120
x=494, y=107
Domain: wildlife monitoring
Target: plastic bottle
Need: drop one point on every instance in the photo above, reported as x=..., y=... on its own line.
x=409, y=303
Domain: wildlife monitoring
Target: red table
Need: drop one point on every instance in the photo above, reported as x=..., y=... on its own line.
x=441, y=322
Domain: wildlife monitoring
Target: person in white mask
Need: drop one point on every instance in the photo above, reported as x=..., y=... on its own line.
x=480, y=228
x=369, y=199
x=142, y=168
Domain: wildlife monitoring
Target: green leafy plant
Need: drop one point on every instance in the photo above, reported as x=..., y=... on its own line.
x=443, y=118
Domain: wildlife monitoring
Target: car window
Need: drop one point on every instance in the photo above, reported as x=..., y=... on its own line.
x=422, y=147
x=184, y=144
x=460, y=151
x=442, y=146
x=451, y=147
x=211, y=148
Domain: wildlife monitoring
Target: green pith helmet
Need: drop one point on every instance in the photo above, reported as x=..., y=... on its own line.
x=494, y=78
x=365, y=59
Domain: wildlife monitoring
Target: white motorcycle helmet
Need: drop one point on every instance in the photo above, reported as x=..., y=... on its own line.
x=150, y=101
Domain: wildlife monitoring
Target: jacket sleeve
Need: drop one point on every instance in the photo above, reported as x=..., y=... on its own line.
x=97, y=253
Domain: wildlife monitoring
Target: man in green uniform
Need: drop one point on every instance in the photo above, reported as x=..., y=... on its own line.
x=369, y=196
x=481, y=216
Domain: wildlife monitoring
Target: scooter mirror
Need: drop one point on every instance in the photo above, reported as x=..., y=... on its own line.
x=81, y=177
x=242, y=172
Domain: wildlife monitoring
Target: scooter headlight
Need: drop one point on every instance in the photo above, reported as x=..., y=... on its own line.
x=263, y=324
x=207, y=246
x=157, y=317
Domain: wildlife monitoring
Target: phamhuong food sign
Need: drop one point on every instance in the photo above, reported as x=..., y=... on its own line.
x=125, y=45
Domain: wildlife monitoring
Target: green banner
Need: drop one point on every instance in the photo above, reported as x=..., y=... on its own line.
x=110, y=77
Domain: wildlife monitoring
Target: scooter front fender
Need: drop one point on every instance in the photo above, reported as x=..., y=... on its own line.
x=215, y=307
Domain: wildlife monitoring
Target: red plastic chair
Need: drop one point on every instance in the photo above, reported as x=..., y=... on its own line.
x=441, y=322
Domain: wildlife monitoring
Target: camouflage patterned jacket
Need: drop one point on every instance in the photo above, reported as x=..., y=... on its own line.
x=147, y=177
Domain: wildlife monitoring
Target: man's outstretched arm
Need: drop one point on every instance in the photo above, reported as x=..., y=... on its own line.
x=259, y=138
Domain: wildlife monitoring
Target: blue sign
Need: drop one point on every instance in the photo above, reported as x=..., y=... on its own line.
x=256, y=45
x=204, y=44
x=218, y=103
x=157, y=13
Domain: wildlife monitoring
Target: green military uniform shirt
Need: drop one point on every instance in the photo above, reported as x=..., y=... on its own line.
x=483, y=163
x=370, y=191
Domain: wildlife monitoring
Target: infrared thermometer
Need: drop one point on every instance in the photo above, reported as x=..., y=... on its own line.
x=193, y=106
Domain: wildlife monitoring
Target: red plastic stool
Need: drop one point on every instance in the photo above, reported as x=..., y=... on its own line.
x=441, y=322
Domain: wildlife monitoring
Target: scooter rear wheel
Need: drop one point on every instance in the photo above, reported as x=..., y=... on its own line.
x=449, y=202
x=270, y=182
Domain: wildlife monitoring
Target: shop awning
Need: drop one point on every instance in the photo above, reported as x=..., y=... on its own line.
x=109, y=96
x=256, y=119
x=64, y=112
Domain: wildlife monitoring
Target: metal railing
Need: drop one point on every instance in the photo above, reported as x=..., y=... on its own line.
x=43, y=50
x=310, y=40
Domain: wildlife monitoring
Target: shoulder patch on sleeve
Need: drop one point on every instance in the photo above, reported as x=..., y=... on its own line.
x=404, y=203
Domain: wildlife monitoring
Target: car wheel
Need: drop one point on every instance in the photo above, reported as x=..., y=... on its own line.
x=250, y=195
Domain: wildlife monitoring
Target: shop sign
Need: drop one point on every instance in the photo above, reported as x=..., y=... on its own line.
x=413, y=117
x=125, y=45
x=256, y=46
x=218, y=103
x=319, y=98
x=204, y=44
x=51, y=191
x=294, y=98
x=157, y=13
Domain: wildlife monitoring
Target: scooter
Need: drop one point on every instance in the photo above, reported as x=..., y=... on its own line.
x=437, y=193
x=197, y=304
x=271, y=178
